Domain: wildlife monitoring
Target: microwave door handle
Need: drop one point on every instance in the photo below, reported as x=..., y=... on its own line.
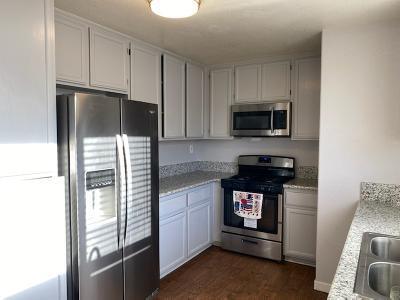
x=272, y=120
x=121, y=182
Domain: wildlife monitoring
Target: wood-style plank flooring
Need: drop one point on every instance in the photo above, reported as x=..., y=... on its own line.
x=219, y=274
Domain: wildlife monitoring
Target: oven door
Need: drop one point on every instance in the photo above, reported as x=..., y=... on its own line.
x=269, y=227
x=270, y=119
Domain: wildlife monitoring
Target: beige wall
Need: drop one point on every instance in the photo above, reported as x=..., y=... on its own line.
x=360, y=128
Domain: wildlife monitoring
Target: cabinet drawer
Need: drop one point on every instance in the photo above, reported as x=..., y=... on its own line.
x=199, y=195
x=172, y=205
x=301, y=198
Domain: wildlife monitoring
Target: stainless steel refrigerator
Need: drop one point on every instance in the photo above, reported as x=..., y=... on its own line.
x=108, y=152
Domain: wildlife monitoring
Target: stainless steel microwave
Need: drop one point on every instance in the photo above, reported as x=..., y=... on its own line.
x=261, y=120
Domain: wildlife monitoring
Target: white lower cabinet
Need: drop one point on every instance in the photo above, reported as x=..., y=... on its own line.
x=300, y=226
x=199, y=227
x=173, y=245
x=185, y=226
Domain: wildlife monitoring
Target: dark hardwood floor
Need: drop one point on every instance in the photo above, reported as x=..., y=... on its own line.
x=219, y=274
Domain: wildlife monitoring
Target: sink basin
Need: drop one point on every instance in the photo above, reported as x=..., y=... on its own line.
x=378, y=270
x=386, y=247
x=384, y=278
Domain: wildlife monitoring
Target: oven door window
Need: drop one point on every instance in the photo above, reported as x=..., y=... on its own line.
x=269, y=216
x=252, y=120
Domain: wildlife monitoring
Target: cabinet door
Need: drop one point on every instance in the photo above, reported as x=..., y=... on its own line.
x=194, y=101
x=173, y=243
x=199, y=228
x=109, y=60
x=248, y=83
x=72, y=50
x=174, y=97
x=146, y=77
x=306, y=100
x=220, y=102
x=300, y=233
x=27, y=89
x=145, y=74
x=276, y=81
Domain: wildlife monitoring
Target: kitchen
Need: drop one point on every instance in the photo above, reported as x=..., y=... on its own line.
x=297, y=115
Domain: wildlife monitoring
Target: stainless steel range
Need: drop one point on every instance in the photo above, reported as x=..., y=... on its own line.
x=260, y=177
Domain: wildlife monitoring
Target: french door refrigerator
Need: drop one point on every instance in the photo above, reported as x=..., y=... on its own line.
x=108, y=153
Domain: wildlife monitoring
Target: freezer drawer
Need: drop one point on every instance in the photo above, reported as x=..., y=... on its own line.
x=252, y=246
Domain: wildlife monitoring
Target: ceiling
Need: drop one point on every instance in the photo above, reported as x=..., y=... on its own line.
x=231, y=30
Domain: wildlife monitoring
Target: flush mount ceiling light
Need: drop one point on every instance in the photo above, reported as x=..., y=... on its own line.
x=174, y=8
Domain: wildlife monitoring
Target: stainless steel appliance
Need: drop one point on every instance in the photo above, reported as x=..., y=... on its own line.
x=261, y=120
x=108, y=152
x=262, y=174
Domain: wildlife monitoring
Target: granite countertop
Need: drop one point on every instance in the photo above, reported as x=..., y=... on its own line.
x=370, y=216
x=302, y=183
x=173, y=184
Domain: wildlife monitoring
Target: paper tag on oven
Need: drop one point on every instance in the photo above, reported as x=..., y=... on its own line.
x=251, y=223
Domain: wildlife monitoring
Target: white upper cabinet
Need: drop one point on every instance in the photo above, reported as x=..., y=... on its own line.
x=306, y=101
x=247, y=83
x=72, y=50
x=145, y=73
x=109, y=60
x=27, y=89
x=194, y=101
x=275, y=81
x=220, y=102
x=262, y=82
x=174, y=97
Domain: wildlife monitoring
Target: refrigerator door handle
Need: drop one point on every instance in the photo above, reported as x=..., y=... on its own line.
x=129, y=180
x=121, y=182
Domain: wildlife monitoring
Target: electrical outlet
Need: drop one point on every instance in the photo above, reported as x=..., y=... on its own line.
x=191, y=149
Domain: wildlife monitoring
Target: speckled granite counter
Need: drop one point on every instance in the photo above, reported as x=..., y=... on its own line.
x=302, y=183
x=378, y=216
x=177, y=183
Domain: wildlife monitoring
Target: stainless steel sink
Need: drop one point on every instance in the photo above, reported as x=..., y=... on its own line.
x=384, y=278
x=378, y=271
x=385, y=247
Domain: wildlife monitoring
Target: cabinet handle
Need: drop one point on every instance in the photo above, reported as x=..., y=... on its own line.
x=249, y=242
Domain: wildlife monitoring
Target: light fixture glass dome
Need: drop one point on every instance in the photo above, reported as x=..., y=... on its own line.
x=175, y=8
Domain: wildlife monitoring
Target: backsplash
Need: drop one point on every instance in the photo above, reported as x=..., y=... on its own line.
x=211, y=166
x=308, y=172
x=386, y=193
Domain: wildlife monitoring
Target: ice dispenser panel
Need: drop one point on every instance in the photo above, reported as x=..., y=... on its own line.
x=100, y=194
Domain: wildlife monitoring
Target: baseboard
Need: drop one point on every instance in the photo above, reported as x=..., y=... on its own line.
x=322, y=286
x=217, y=243
x=300, y=261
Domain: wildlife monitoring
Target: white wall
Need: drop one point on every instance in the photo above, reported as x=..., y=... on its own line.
x=305, y=152
x=360, y=128
x=173, y=152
